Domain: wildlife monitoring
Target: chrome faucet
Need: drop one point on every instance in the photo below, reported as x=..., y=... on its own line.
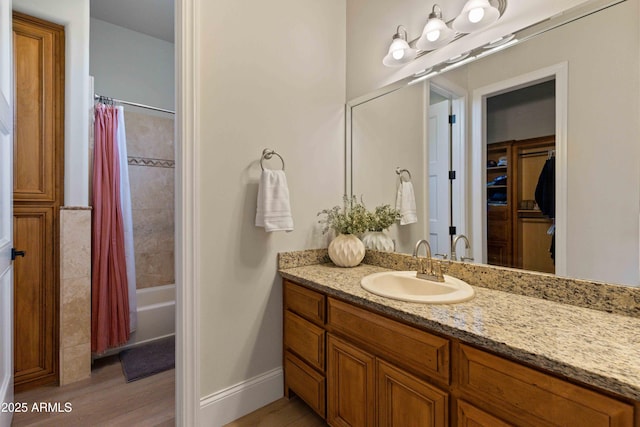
x=466, y=246
x=427, y=269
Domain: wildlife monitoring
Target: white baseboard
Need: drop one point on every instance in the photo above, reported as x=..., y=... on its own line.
x=231, y=403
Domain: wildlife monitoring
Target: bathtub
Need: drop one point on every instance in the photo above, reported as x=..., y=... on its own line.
x=156, y=317
x=156, y=314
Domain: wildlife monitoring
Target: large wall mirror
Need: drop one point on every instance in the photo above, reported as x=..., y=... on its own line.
x=569, y=92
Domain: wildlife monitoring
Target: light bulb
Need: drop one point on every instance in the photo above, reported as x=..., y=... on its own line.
x=476, y=15
x=398, y=54
x=433, y=35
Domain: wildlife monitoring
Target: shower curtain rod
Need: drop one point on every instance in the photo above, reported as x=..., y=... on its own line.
x=135, y=104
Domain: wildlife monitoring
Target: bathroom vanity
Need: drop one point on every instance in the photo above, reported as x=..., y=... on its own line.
x=500, y=359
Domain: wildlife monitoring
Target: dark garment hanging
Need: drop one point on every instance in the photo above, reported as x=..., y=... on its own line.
x=546, y=196
x=546, y=188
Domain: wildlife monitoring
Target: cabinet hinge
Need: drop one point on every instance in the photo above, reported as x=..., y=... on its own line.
x=452, y=119
x=452, y=174
x=452, y=230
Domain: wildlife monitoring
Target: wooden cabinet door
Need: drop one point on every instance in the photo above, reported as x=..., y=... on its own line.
x=34, y=335
x=406, y=401
x=38, y=46
x=350, y=385
x=38, y=50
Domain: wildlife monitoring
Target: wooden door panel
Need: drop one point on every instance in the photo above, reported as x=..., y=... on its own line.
x=406, y=401
x=34, y=291
x=350, y=385
x=38, y=109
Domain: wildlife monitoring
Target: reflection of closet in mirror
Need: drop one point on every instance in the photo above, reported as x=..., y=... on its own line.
x=519, y=181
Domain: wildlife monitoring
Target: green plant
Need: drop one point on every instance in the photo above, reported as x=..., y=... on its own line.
x=351, y=218
x=382, y=218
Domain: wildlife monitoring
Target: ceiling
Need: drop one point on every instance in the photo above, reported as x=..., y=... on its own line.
x=151, y=17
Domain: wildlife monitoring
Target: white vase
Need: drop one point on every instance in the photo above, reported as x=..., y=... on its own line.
x=378, y=240
x=346, y=250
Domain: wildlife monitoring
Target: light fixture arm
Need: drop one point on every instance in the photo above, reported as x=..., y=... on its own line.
x=434, y=13
x=399, y=35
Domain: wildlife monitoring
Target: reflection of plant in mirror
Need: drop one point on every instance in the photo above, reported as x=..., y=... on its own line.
x=382, y=218
x=352, y=218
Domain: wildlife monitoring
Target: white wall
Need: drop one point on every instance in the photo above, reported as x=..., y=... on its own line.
x=74, y=15
x=132, y=66
x=271, y=74
x=522, y=114
x=387, y=132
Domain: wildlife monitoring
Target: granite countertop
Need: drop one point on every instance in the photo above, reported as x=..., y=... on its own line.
x=590, y=346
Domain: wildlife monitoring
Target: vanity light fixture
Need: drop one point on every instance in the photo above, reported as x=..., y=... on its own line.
x=399, y=51
x=435, y=33
x=475, y=15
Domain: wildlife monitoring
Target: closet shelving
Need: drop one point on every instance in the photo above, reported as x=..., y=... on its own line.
x=516, y=228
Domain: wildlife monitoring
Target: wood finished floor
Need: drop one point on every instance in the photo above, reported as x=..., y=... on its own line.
x=281, y=413
x=106, y=399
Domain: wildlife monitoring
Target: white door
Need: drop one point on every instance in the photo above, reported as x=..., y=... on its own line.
x=439, y=204
x=6, y=216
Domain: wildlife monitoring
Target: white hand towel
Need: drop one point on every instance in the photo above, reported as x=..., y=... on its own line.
x=406, y=203
x=274, y=210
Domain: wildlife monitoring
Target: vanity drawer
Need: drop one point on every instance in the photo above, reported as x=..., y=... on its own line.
x=305, y=382
x=470, y=416
x=534, y=398
x=410, y=348
x=304, y=339
x=305, y=302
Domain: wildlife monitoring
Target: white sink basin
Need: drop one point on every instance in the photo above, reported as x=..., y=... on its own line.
x=405, y=286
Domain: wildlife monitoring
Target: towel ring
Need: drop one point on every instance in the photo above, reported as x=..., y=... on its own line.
x=268, y=153
x=400, y=171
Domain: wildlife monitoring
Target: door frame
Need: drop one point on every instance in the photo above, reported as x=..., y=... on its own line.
x=6, y=223
x=559, y=72
x=187, y=202
x=458, y=152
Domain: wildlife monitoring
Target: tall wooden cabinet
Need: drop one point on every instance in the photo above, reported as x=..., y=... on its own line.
x=380, y=372
x=516, y=228
x=499, y=203
x=37, y=192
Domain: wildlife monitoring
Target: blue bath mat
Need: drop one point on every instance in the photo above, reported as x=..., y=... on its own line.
x=148, y=359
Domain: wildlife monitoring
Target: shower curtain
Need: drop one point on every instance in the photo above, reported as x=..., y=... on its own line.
x=110, y=302
x=127, y=220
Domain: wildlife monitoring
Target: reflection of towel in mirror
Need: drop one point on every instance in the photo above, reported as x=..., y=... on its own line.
x=274, y=210
x=406, y=203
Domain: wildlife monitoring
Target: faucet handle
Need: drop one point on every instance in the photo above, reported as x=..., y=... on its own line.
x=444, y=256
x=436, y=271
x=466, y=258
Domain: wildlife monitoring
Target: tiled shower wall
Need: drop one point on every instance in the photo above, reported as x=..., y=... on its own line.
x=150, y=146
